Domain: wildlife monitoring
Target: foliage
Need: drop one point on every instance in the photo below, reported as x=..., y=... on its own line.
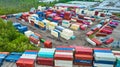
x=16, y=6
x=12, y=40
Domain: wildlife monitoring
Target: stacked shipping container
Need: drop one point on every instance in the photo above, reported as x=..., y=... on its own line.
x=27, y=59
x=64, y=57
x=46, y=56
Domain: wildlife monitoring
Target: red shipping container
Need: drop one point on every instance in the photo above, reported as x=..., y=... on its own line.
x=110, y=40
x=98, y=43
x=47, y=13
x=82, y=27
x=89, y=33
x=40, y=36
x=79, y=21
x=63, y=57
x=83, y=64
x=50, y=10
x=82, y=47
x=84, y=51
x=102, y=49
x=116, y=53
x=57, y=18
x=3, y=17
x=96, y=13
x=109, y=27
x=81, y=16
x=68, y=51
x=106, y=31
x=47, y=61
x=83, y=57
x=67, y=13
x=67, y=17
x=34, y=40
x=102, y=15
x=32, y=23
x=25, y=63
x=101, y=34
x=25, y=16
x=4, y=53
x=48, y=44
x=80, y=24
x=58, y=12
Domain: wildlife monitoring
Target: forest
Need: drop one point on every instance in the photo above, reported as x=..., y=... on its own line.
x=12, y=40
x=16, y=6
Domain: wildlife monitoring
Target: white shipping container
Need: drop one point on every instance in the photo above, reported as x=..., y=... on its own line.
x=90, y=41
x=47, y=50
x=63, y=35
x=28, y=57
x=115, y=51
x=104, y=56
x=67, y=32
x=66, y=23
x=64, y=53
x=63, y=63
x=52, y=25
x=32, y=55
x=103, y=65
x=28, y=33
x=54, y=33
x=98, y=25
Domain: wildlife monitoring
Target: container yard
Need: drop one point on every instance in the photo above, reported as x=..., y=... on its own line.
x=72, y=34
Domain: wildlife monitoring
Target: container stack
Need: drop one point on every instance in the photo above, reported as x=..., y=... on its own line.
x=67, y=34
x=74, y=27
x=13, y=57
x=46, y=56
x=83, y=56
x=103, y=57
x=56, y=32
x=117, y=55
x=2, y=57
x=66, y=23
x=67, y=15
x=34, y=39
x=42, y=25
x=64, y=56
x=52, y=25
x=27, y=59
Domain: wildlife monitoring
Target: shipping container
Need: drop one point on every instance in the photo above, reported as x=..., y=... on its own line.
x=45, y=61
x=90, y=41
x=98, y=42
x=83, y=57
x=110, y=40
x=25, y=63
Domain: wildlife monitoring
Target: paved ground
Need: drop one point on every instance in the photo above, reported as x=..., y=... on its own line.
x=80, y=35
x=80, y=40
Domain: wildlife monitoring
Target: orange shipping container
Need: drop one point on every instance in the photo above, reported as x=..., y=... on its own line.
x=83, y=57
